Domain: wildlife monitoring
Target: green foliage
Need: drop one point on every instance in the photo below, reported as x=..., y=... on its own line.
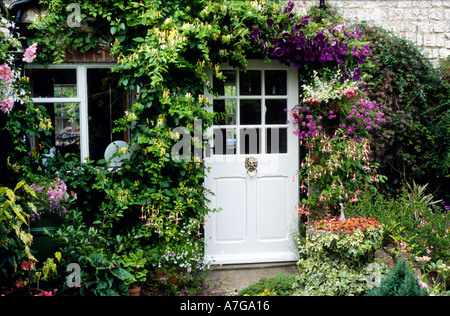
x=281, y=285
x=415, y=143
x=15, y=241
x=155, y=200
x=19, y=117
x=101, y=277
x=408, y=219
x=400, y=281
x=339, y=264
x=135, y=263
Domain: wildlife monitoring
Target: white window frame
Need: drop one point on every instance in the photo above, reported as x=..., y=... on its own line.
x=82, y=98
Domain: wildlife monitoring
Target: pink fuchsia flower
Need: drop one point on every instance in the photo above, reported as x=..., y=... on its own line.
x=6, y=105
x=30, y=53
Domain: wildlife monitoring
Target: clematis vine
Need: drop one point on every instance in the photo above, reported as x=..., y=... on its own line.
x=300, y=43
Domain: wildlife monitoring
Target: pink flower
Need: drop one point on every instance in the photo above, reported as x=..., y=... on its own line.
x=30, y=53
x=6, y=104
x=6, y=74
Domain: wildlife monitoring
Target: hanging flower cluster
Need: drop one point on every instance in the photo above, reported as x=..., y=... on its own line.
x=53, y=198
x=324, y=99
x=341, y=169
x=300, y=43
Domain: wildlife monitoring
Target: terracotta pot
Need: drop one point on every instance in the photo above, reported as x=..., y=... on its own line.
x=166, y=274
x=136, y=291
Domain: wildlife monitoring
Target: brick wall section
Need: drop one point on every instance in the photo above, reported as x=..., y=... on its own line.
x=425, y=22
x=90, y=57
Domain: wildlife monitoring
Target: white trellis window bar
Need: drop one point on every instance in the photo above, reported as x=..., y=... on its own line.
x=83, y=101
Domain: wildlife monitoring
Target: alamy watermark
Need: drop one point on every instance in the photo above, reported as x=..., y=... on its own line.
x=224, y=144
x=74, y=19
x=74, y=278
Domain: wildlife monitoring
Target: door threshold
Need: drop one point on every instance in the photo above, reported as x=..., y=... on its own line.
x=253, y=266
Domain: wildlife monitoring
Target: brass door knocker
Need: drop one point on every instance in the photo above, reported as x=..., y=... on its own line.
x=251, y=164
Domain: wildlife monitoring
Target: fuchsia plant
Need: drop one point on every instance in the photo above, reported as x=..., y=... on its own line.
x=334, y=122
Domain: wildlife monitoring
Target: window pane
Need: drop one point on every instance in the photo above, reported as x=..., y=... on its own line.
x=106, y=104
x=276, y=141
x=53, y=83
x=276, y=82
x=227, y=111
x=66, y=123
x=250, y=83
x=227, y=88
x=249, y=141
x=275, y=111
x=224, y=141
x=250, y=112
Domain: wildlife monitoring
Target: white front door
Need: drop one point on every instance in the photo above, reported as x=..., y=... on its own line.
x=257, y=216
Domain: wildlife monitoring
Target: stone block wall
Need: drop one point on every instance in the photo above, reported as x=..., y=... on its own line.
x=425, y=22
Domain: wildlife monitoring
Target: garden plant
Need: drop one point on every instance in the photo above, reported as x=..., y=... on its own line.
x=369, y=105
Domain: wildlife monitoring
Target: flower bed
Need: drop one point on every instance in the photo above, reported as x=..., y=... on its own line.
x=338, y=257
x=333, y=224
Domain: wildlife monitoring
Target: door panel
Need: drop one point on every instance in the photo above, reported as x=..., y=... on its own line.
x=257, y=213
x=271, y=211
x=231, y=221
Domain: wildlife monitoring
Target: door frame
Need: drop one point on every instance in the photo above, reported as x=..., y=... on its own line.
x=293, y=87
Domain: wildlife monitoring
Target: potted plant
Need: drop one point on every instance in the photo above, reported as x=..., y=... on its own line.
x=135, y=264
x=47, y=215
x=28, y=275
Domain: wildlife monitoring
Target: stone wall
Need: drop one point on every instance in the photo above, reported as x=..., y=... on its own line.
x=425, y=22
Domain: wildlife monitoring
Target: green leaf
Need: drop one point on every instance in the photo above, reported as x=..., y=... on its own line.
x=122, y=274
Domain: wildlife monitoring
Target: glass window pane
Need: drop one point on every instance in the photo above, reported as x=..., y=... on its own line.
x=250, y=82
x=66, y=123
x=276, y=82
x=106, y=103
x=249, y=141
x=226, y=110
x=224, y=141
x=276, y=111
x=227, y=87
x=53, y=83
x=250, y=112
x=276, y=141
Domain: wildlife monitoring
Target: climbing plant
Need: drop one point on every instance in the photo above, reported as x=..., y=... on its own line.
x=164, y=50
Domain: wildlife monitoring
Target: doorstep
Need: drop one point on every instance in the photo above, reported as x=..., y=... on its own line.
x=235, y=277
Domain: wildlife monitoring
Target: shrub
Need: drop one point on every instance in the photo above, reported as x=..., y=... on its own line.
x=400, y=281
x=279, y=285
x=415, y=143
x=410, y=220
x=339, y=263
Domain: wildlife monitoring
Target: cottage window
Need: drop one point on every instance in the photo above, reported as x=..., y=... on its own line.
x=83, y=101
x=252, y=112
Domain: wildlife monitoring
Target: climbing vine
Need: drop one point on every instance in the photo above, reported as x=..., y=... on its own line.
x=164, y=49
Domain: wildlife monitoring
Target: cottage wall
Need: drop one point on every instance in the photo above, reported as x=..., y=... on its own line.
x=425, y=22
